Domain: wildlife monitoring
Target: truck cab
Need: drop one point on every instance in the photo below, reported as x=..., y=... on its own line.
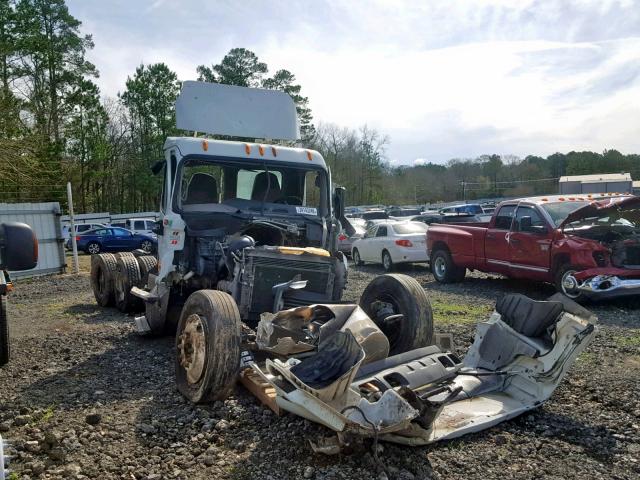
x=258, y=220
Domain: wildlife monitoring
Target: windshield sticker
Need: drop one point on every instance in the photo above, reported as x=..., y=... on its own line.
x=307, y=210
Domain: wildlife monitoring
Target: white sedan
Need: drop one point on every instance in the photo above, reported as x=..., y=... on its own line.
x=391, y=243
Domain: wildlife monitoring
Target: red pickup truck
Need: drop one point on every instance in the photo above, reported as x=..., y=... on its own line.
x=588, y=246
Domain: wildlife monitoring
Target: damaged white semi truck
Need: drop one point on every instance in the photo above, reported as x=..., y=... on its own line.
x=248, y=267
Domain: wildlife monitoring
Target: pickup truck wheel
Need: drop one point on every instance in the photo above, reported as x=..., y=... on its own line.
x=208, y=346
x=356, y=257
x=387, y=263
x=443, y=268
x=127, y=275
x=400, y=307
x=5, y=351
x=103, y=270
x=566, y=283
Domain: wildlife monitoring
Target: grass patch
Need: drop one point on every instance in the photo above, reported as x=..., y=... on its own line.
x=586, y=358
x=631, y=340
x=444, y=312
x=13, y=476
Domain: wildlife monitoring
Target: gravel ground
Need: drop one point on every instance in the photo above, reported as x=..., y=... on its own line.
x=84, y=397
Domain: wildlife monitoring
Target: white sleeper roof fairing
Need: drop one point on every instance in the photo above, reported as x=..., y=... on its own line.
x=220, y=109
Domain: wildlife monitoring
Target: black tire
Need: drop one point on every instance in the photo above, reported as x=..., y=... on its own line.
x=387, y=262
x=562, y=283
x=443, y=268
x=5, y=349
x=127, y=276
x=356, y=257
x=147, y=264
x=103, y=270
x=398, y=294
x=93, y=248
x=216, y=313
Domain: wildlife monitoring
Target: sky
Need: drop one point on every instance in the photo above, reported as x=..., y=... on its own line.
x=443, y=79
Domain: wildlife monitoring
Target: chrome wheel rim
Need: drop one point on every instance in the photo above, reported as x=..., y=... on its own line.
x=569, y=284
x=192, y=348
x=439, y=267
x=94, y=248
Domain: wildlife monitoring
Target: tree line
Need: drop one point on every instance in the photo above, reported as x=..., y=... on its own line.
x=56, y=126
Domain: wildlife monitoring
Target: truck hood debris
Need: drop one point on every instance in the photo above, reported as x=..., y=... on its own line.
x=518, y=358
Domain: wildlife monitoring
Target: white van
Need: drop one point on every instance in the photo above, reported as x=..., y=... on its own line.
x=137, y=225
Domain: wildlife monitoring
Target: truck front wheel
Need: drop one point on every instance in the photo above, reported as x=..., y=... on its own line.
x=400, y=307
x=443, y=268
x=208, y=346
x=566, y=283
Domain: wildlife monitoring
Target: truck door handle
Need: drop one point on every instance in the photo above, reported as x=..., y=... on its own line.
x=515, y=241
x=490, y=235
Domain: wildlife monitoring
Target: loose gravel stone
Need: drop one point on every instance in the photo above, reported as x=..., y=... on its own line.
x=72, y=359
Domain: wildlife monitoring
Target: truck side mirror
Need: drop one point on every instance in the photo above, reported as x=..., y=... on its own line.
x=18, y=246
x=157, y=228
x=338, y=201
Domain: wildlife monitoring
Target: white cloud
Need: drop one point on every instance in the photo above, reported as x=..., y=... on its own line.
x=420, y=161
x=444, y=79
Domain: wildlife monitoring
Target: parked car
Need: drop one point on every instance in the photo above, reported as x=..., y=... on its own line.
x=111, y=239
x=137, y=225
x=471, y=208
x=588, y=247
x=346, y=239
x=375, y=215
x=391, y=243
x=80, y=229
x=442, y=218
x=403, y=213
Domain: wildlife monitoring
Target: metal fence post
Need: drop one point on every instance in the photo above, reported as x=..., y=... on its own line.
x=76, y=264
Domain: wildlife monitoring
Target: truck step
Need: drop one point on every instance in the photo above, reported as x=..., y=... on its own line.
x=141, y=325
x=144, y=295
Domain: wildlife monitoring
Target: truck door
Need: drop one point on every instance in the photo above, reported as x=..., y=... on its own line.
x=496, y=244
x=530, y=244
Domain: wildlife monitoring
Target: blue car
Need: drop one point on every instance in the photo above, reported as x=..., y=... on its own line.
x=113, y=239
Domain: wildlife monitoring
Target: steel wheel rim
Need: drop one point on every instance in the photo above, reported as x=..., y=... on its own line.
x=439, y=267
x=192, y=348
x=569, y=284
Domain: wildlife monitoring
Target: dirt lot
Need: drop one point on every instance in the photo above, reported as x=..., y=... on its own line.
x=84, y=397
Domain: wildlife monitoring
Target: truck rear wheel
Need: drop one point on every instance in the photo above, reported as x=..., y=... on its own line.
x=400, y=307
x=147, y=264
x=443, y=268
x=5, y=351
x=127, y=275
x=103, y=269
x=208, y=346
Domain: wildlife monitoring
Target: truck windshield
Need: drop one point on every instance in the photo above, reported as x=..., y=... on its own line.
x=558, y=211
x=204, y=184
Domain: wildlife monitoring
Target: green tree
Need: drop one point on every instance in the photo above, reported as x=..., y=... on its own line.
x=9, y=104
x=284, y=80
x=149, y=98
x=239, y=67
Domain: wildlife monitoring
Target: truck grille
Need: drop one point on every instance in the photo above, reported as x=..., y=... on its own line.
x=266, y=269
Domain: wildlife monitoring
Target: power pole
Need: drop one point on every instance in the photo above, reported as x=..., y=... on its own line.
x=464, y=192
